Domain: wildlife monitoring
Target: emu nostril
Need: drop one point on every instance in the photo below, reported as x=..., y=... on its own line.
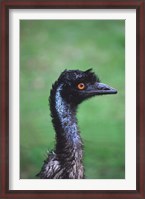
x=102, y=86
x=105, y=88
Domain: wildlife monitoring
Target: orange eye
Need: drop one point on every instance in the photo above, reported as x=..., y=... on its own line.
x=81, y=86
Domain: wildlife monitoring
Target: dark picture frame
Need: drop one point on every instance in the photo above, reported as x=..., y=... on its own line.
x=139, y=6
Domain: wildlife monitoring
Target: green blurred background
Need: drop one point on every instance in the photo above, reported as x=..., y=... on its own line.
x=47, y=47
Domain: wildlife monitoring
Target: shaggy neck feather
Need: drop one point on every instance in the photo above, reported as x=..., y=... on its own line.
x=68, y=139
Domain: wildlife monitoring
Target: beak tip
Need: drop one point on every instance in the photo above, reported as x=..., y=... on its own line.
x=115, y=91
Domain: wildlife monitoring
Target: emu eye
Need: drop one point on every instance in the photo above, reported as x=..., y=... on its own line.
x=81, y=86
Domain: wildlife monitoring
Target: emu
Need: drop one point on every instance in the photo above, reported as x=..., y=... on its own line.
x=71, y=88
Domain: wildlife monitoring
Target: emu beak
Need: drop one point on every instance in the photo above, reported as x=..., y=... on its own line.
x=100, y=89
x=104, y=89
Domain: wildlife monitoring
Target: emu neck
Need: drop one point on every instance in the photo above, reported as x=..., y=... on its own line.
x=68, y=139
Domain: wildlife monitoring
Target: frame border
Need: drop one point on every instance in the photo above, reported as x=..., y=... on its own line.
x=139, y=5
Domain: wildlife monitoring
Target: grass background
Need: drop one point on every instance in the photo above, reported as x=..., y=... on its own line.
x=46, y=49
